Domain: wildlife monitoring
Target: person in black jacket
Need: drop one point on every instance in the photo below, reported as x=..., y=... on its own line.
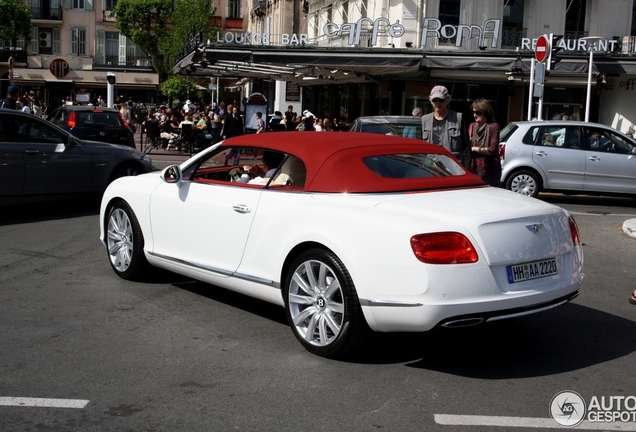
x=233, y=125
x=13, y=93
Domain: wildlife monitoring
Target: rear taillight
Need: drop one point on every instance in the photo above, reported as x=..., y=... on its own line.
x=443, y=248
x=574, y=230
x=502, y=151
x=70, y=121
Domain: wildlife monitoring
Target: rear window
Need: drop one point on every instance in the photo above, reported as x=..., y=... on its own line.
x=412, y=130
x=507, y=132
x=421, y=165
x=97, y=119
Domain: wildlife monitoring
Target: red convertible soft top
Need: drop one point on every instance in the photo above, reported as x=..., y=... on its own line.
x=334, y=160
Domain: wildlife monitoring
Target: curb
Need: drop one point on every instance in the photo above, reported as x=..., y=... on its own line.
x=629, y=227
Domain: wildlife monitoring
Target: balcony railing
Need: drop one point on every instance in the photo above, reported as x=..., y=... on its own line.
x=52, y=13
x=113, y=61
x=19, y=56
x=234, y=23
x=511, y=37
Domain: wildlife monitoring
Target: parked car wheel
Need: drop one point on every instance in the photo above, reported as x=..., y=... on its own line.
x=125, y=171
x=322, y=305
x=125, y=243
x=525, y=183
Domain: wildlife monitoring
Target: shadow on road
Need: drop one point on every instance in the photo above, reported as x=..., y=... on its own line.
x=567, y=338
x=61, y=209
x=557, y=199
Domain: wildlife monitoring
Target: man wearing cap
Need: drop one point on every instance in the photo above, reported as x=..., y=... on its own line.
x=445, y=127
x=13, y=93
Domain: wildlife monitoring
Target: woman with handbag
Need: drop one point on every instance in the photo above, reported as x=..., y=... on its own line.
x=484, y=140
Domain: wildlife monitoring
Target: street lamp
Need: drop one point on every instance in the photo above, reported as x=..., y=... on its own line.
x=591, y=40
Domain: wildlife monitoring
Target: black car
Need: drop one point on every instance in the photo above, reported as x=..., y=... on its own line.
x=93, y=123
x=39, y=160
x=406, y=126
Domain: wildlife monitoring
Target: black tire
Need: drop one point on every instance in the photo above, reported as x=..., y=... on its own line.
x=320, y=296
x=524, y=182
x=125, y=243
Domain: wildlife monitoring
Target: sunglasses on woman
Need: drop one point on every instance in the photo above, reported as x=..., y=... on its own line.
x=477, y=113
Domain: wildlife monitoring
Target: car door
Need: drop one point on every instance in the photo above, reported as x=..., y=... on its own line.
x=205, y=221
x=558, y=152
x=610, y=162
x=11, y=163
x=53, y=162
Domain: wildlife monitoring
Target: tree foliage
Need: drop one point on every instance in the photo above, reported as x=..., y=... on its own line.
x=159, y=27
x=16, y=21
x=183, y=88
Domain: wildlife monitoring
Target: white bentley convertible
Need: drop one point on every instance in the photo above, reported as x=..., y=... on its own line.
x=348, y=232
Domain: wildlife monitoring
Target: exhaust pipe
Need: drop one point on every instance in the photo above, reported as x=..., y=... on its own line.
x=463, y=322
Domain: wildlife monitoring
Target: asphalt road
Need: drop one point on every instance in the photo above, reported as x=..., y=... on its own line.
x=179, y=355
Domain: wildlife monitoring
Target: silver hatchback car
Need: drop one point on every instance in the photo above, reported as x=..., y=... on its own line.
x=567, y=156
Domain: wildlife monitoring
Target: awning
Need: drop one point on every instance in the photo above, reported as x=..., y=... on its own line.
x=236, y=85
x=90, y=78
x=306, y=65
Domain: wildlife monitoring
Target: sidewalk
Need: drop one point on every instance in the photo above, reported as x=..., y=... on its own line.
x=160, y=158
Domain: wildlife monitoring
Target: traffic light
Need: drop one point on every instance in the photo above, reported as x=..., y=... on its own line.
x=554, y=49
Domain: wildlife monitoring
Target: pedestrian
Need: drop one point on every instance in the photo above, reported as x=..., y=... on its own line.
x=629, y=133
x=411, y=131
x=484, y=140
x=632, y=300
x=260, y=123
x=13, y=93
x=445, y=127
x=290, y=119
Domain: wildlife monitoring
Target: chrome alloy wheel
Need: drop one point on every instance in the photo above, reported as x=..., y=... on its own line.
x=316, y=303
x=524, y=184
x=120, y=240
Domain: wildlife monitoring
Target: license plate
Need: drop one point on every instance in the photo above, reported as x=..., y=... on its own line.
x=532, y=270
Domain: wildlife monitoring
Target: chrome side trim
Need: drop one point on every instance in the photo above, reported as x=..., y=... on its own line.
x=389, y=303
x=218, y=270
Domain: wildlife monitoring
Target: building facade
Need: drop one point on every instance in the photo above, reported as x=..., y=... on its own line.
x=74, y=43
x=477, y=48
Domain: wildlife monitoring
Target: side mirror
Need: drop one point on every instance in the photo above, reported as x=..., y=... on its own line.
x=171, y=174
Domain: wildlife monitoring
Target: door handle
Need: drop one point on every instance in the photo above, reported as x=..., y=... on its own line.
x=541, y=153
x=31, y=151
x=241, y=208
x=594, y=158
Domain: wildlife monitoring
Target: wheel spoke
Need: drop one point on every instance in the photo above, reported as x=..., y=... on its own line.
x=322, y=277
x=311, y=328
x=323, y=337
x=302, y=284
x=331, y=322
x=300, y=299
x=336, y=307
x=304, y=314
x=333, y=288
x=310, y=277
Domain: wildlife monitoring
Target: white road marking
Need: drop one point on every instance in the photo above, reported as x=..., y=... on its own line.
x=526, y=422
x=42, y=402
